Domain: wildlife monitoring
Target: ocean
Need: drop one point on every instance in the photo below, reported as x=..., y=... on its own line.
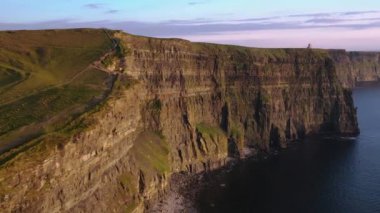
x=317, y=175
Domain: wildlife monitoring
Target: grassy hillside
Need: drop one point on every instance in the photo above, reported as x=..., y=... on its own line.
x=46, y=78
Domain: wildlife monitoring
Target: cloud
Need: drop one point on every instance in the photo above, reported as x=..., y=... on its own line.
x=359, y=12
x=310, y=15
x=257, y=19
x=194, y=3
x=57, y=23
x=204, y=26
x=226, y=30
x=198, y=21
x=325, y=20
x=94, y=6
x=112, y=11
x=349, y=13
x=331, y=38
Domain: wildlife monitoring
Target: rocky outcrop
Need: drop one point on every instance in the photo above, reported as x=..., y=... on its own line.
x=178, y=107
x=356, y=68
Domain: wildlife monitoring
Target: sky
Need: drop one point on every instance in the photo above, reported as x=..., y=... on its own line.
x=338, y=24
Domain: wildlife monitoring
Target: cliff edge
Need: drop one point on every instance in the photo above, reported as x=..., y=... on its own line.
x=169, y=106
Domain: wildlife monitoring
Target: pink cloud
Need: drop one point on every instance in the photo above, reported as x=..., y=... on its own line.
x=342, y=38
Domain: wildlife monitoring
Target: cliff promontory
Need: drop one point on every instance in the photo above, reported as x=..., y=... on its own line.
x=357, y=68
x=156, y=107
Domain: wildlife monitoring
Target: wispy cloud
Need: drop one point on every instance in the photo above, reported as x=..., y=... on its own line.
x=310, y=15
x=255, y=31
x=194, y=3
x=94, y=6
x=101, y=8
x=257, y=19
x=209, y=26
x=112, y=11
x=360, y=12
x=331, y=38
x=324, y=20
x=349, y=13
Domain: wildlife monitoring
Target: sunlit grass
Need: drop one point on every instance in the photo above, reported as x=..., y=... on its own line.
x=46, y=79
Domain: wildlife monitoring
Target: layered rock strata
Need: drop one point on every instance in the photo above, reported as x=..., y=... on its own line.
x=357, y=68
x=185, y=107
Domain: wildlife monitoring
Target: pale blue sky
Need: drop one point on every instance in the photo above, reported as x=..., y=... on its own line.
x=272, y=23
x=159, y=10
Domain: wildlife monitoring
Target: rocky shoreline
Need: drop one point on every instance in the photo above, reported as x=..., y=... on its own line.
x=180, y=195
x=184, y=188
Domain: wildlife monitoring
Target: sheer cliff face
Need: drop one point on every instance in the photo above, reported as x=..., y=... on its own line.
x=190, y=107
x=354, y=68
x=266, y=97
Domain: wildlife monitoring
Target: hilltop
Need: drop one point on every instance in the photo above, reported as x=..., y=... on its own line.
x=47, y=78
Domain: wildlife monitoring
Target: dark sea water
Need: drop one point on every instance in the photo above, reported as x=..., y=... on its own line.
x=318, y=175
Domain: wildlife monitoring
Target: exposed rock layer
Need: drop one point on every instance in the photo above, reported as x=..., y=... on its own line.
x=355, y=68
x=193, y=106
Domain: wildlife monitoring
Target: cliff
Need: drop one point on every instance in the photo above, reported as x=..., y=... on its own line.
x=177, y=106
x=357, y=68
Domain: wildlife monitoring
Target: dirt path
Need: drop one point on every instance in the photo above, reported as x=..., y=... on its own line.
x=47, y=88
x=74, y=77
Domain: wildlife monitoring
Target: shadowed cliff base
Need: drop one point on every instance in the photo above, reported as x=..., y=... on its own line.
x=173, y=106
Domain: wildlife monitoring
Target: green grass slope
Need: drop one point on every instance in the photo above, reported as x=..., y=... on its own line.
x=46, y=80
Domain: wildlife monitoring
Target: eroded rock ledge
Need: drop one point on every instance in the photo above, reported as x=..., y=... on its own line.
x=186, y=107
